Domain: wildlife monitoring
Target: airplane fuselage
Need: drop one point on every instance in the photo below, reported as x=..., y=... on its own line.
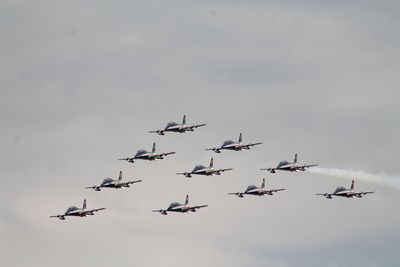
x=149, y=156
x=207, y=172
x=236, y=147
x=179, y=129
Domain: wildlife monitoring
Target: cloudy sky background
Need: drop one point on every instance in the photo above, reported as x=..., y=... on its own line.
x=83, y=81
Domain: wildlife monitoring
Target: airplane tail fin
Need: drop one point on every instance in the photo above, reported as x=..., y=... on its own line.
x=263, y=183
x=84, y=204
x=120, y=176
x=352, y=185
x=295, y=158
x=240, y=137
x=154, y=148
x=187, y=200
x=184, y=120
x=211, y=163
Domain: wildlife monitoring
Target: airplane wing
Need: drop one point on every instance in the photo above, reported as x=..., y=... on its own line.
x=223, y=170
x=275, y=190
x=254, y=144
x=199, y=207
x=308, y=166
x=132, y=182
x=271, y=170
x=166, y=154
x=364, y=193
x=92, y=187
x=130, y=160
x=160, y=132
x=57, y=216
x=215, y=149
x=157, y=210
x=198, y=125
x=95, y=210
x=237, y=194
x=325, y=195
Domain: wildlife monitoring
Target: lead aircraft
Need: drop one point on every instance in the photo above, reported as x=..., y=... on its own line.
x=77, y=212
x=112, y=183
x=144, y=154
x=289, y=166
x=231, y=145
x=178, y=128
x=178, y=207
x=344, y=192
x=202, y=170
x=257, y=191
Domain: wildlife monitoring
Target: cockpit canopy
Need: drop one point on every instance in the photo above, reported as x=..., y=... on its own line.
x=198, y=167
x=107, y=181
x=71, y=209
x=171, y=124
x=228, y=142
x=174, y=204
x=141, y=152
x=251, y=187
x=339, y=189
x=283, y=163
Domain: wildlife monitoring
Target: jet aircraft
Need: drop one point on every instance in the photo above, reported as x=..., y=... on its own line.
x=231, y=145
x=144, y=154
x=288, y=166
x=77, y=212
x=258, y=191
x=177, y=207
x=344, y=192
x=202, y=170
x=178, y=128
x=111, y=183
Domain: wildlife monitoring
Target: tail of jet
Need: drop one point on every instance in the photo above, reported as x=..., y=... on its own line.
x=120, y=176
x=263, y=183
x=84, y=204
x=154, y=148
x=240, y=138
x=187, y=200
x=295, y=158
x=211, y=163
x=352, y=185
x=184, y=120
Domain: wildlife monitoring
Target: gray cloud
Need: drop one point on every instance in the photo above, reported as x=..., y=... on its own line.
x=83, y=82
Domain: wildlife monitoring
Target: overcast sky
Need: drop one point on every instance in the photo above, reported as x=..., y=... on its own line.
x=84, y=81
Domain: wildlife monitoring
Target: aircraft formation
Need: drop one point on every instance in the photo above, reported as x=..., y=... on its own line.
x=174, y=127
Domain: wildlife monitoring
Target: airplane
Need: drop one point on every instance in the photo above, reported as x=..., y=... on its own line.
x=111, y=183
x=144, y=154
x=202, y=170
x=77, y=212
x=344, y=192
x=287, y=166
x=231, y=145
x=258, y=191
x=177, y=207
x=178, y=128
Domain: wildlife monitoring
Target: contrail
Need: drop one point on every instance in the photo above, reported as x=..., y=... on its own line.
x=392, y=181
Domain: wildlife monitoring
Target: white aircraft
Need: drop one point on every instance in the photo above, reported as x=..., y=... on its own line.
x=258, y=191
x=178, y=128
x=177, y=207
x=202, y=170
x=288, y=166
x=231, y=145
x=77, y=212
x=144, y=154
x=111, y=183
x=343, y=192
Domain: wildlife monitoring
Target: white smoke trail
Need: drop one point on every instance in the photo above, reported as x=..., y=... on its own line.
x=392, y=181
